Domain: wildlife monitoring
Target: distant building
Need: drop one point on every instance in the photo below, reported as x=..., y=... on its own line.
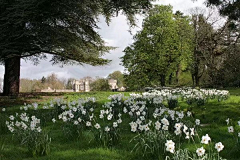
x=82, y=85
x=113, y=84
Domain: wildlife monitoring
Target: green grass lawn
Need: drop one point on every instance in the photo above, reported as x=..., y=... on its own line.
x=84, y=147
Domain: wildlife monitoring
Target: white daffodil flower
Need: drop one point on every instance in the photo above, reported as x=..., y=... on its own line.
x=200, y=151
x=219, y=146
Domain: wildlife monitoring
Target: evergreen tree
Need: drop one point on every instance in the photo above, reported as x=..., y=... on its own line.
x=66, y=29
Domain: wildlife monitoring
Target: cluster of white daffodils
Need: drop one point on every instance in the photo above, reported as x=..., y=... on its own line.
x=181, y=128
x=23, y=122
x=115, y=105
x=78, y=115
x=60, y=103
x=156, y=97
x=140, y=125
x=170, y=146
x=108, y=120
x=201, y=96
x=206, y=140
x=135, y=109
x=166, y=112
x=116, y=97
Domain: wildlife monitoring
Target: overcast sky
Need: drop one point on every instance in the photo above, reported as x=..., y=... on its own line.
x=116, y=34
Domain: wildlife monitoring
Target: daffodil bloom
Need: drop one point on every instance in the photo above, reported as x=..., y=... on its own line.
x=115, y=124
x=230, y=129
x=170, y=146
x=165, y=127
x=146, y=128
x=119, y=120
x=107, y=129
x=200, y=151
x=88, y=124
x=178, y=126
x=205, y=139
x=227, y=120
x=11, y=117
x=197, y=122
x=219, y=146
x=192, y=131
x=75, y=122
x=177, y=131
x=53, y=120
x=97, y=126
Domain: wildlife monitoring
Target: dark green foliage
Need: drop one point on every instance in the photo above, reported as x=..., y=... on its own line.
x=100, y=84
x=117, y=75
x=172, y=103
x=65, y=29
x=228, y=75
x=160, y=48
x=107, y=139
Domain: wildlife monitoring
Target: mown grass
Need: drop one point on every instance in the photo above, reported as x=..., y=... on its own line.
x=64, y=147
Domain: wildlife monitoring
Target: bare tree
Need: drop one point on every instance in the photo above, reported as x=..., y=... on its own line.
x=209, y=43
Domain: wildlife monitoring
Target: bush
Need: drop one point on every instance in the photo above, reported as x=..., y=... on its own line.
x=100, y=84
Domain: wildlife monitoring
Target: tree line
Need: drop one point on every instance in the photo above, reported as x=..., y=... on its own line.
x=172, y=49
x=54, y=82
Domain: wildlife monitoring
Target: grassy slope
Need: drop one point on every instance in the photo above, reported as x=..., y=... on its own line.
x=63, y=148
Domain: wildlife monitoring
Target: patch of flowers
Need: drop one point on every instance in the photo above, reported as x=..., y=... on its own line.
x=108, y=133
x=28, y=131
x=158, y=126
x=234, y=130
x=204, y=152
x=77, y=116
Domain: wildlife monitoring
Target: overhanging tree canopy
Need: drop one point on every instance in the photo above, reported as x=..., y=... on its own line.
x=64, y=28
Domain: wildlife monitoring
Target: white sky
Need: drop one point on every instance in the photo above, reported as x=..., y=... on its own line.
x=116, y=34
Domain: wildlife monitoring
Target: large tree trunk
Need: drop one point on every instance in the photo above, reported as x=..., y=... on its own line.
x=178, y=73
x=11, y=76
x=193, y=79
x=197, y=81
x=170, y=79
x=162, y=81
